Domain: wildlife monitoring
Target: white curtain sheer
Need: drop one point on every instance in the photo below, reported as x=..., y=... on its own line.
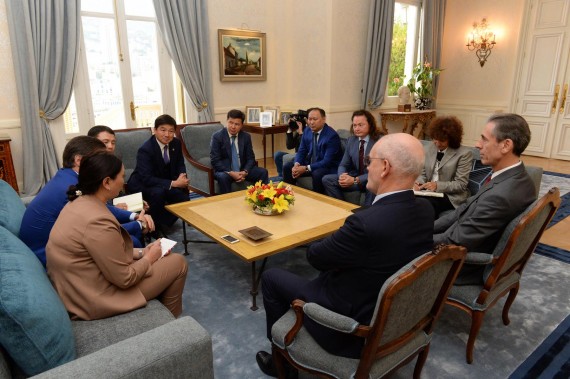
x=44, y=35
x=377, y=64
x=184, y=28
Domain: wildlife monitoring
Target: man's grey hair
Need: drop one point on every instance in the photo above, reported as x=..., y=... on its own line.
x=401, y=157
x=511, y=126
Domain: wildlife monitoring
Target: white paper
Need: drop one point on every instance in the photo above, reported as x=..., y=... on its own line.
x=166, y=244
x=134, y=202
x=428, y=193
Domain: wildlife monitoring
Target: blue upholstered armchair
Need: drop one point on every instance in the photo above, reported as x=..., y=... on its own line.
x=503, y=268
x=408, y=306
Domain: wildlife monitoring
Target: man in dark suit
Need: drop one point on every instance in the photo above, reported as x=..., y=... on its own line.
x=319, y=153
x=231, y=154
x=352, y=174
x=160, y=173
x=355, y=261
x=479, y=223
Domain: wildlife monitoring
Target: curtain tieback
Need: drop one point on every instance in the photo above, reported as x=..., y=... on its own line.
x=43, y=114
x=202, y=106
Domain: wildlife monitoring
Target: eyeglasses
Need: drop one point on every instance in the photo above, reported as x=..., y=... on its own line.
x=368, y=160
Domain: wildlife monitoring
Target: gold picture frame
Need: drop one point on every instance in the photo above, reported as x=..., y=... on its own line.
x=242, y=55
x=252, y=114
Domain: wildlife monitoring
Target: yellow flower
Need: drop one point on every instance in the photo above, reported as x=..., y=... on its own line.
x=281, y=204
x=269, y=192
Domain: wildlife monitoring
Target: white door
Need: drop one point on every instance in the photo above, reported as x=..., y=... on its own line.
x=544, y=77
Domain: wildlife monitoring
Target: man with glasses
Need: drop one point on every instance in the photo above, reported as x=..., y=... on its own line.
x=160, y=173
x=479, y=223
x=352, y=174
x=355, y=260
x=319, y=153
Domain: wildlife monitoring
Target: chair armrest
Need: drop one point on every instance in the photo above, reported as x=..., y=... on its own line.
x=179, y=349
x=329, y=318
x=479, y=258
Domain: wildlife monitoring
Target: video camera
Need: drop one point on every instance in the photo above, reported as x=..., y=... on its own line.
x=300, y=116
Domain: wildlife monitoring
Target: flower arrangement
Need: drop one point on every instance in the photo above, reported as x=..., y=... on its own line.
x=421, y=82
x=270, y=197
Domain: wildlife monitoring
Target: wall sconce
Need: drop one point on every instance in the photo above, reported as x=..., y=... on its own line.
x=482, y=40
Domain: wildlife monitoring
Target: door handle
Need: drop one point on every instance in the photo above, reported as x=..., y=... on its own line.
x=134, y=115
x=556, y=90
x=563, y=99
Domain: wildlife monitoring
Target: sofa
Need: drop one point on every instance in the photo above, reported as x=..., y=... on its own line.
x=38, y=339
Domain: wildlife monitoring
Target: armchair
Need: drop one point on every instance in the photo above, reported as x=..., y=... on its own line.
x=407, y=308
x=128, y=143
x=503, y=268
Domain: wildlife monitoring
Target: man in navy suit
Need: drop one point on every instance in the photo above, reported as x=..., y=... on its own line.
x=231, y=154
x=315, y=159
x=355, y=261
x=160, y=173
x=352, y=174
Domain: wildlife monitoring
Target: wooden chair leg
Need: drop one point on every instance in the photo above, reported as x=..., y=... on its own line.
x=510, y=300
x=476, y=322
x=422, y=357
x=278, y=361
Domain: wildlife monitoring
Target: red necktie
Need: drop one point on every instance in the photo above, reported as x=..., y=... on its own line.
x=361, y=158
x=487, y=180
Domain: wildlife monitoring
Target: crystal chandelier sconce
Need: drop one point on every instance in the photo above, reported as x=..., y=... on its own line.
x=482, y=41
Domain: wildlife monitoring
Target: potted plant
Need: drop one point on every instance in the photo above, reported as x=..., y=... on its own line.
x=421, y=84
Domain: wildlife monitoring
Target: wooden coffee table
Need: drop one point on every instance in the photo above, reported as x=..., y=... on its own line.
x=313, y=217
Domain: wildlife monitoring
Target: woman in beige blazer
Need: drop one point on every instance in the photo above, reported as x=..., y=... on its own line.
x=447, y=165
x=91, y=260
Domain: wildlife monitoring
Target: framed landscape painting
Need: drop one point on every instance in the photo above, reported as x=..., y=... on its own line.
x=242, y=55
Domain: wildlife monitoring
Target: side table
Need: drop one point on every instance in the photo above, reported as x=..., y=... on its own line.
x=275, y=129
x=7, y=172
x=410, y=120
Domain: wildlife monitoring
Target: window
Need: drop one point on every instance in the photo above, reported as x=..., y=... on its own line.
x=124, y=77
x=405, y=39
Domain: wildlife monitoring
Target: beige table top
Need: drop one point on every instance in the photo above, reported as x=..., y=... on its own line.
x=313, y=217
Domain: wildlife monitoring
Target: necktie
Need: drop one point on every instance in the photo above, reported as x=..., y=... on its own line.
x=439, y=156
x=165, y=155
x=314, y=156
x=487, y=180
x=361, y=158
x=235, y=156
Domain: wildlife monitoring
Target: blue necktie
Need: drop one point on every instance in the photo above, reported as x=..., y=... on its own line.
x=314, y=155
x=165, y=155
x=235, y=156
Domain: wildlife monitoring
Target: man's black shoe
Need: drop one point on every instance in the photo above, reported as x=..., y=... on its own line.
x=265, y=363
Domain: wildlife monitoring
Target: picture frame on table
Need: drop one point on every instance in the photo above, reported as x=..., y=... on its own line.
x=252, y=114
x=275, y=111
x=284, y=117
x=266, y=119
x=242, y=55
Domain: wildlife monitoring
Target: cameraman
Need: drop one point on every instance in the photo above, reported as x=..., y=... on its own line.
x=297, y=124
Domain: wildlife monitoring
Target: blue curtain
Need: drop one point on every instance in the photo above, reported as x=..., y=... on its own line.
x=184, y=28
x=44, y=35
x=377, y=64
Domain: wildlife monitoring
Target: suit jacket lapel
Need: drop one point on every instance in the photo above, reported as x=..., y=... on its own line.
x=450, y=153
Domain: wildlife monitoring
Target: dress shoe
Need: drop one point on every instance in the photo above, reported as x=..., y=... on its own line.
x=265, y=363
x=267, y=366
